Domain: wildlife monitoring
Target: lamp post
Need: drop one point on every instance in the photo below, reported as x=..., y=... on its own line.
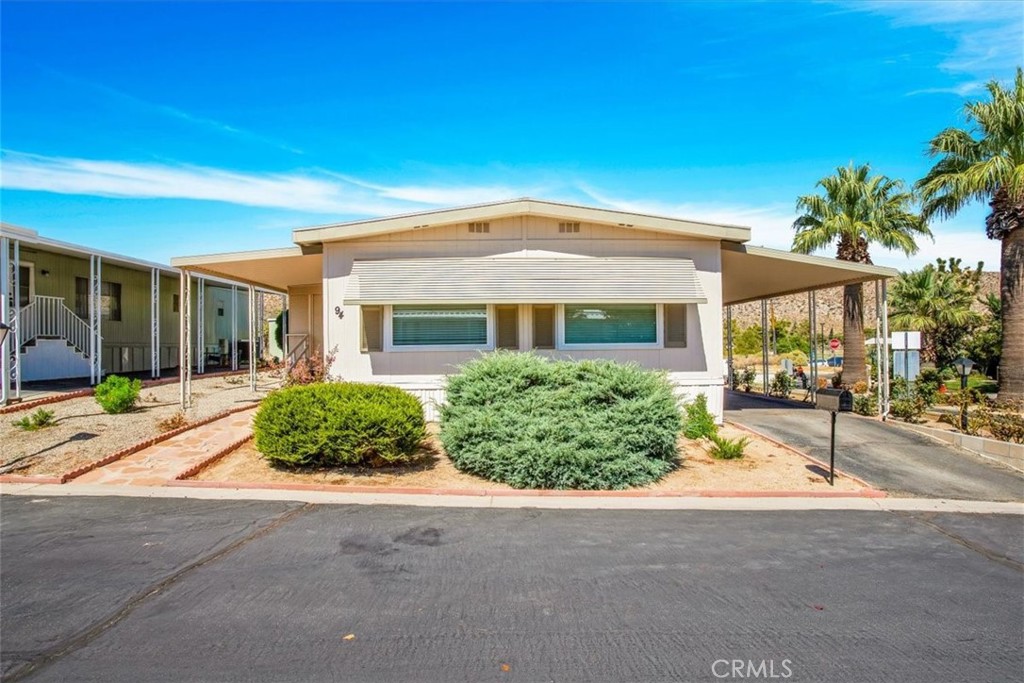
x=963, y=368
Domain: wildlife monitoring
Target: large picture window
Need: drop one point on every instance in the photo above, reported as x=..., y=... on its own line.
x=110, y=299
x=439, y=326
x=628, y=324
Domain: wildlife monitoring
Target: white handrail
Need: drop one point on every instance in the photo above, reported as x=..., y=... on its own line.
x=48, y=316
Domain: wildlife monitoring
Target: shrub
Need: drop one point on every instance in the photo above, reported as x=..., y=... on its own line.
x=699, y=423
x=782, y=385
x=311, y=369
x=40, y=419
x=866, y=404
x=860, y=387
x=532, y=422
x=1007, y=426
x=727, y=449
x=927, y=385
x=328, y=425
x=797, y=356
x=747, y=378
x=176, y=420
x=118, y=394
x=909, y=409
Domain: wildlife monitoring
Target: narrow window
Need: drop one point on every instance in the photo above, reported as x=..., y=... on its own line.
x=507, y=327
x=24, y=286
x=372, y=333
x=611, y=324
x=82, y=298
x=675, y=326
x=439, y=325
x=543, y=327
x=110, y=300
x=175, y=303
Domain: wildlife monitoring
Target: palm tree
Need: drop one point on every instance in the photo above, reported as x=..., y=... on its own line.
x=986, y=163
x=855, y=210
x=937, y=302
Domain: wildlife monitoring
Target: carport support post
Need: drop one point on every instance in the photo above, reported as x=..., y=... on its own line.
x=154, y=323
x=728, y=341
x=200, y=326
x=234, y=327
x=5, y=282
x=832, y=454
x=764, y=345
x=878, y=343
x=185, y=340
x=885, y=351
x=812, y=381
x=252, y=338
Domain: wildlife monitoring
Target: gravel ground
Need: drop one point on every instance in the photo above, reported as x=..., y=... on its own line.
x=83, y=432
x=764, y=467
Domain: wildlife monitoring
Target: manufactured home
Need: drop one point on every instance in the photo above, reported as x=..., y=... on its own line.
x=81, y=313
x=405, y=300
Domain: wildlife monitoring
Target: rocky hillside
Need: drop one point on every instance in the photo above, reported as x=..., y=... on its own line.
x=830, y=306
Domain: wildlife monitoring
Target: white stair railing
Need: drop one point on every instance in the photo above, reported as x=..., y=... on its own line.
x=49, y=317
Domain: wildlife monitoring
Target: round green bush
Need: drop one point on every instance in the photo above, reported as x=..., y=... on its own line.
x=118, y=394
x=328, y=425
x=532, y=422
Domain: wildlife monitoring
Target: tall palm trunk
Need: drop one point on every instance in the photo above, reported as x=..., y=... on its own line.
x=855, y=368
x=854, y=361
x=1011, y=280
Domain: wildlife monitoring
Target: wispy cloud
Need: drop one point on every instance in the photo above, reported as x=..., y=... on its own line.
x=988, y=35
x=314, y=191
x=137, y=103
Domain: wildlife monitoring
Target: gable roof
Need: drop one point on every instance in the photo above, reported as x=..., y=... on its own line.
x=311, y=239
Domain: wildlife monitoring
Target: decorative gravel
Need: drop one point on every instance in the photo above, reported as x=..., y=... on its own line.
x=83, y=432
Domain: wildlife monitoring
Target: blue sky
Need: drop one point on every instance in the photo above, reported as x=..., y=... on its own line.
x=162, y=129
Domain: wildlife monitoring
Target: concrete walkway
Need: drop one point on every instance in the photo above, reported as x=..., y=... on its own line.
x=888, y=457
x=168, y=459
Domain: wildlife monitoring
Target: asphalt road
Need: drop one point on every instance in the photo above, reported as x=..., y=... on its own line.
x=896, y=460
x=135, y=589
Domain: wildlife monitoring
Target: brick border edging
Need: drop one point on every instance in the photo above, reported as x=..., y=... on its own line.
x=28, y=479
x=819, y=463
x=536, y=493
x=135, y=448
x=203, y=464
x=81, y=393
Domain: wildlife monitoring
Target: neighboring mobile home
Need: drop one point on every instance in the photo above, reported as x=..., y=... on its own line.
x=404, y=300
x=84, y=313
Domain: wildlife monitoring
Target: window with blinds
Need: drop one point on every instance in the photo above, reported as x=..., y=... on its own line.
x=611, y=324
x=675, y=326
x=110, y=299
x=439, y=325
x=506, y=327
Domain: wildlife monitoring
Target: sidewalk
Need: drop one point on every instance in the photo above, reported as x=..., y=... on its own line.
x=169, y=459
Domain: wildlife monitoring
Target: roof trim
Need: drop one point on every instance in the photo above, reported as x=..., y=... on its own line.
x=872, y=271
x=378, y=226
x=255, y=255
x=31, y=237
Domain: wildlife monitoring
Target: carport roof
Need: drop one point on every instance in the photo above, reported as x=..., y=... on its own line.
x=755, y=273
x=276, y=269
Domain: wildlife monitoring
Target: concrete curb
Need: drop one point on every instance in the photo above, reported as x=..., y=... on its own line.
x=1003, y=453
x=135, y=448
x=760, y=504
x=819, y=463
x=517, y=493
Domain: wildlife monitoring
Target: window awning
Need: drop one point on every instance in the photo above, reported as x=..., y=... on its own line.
x=498, y=280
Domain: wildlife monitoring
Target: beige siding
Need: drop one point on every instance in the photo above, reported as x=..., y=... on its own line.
x=699, y=364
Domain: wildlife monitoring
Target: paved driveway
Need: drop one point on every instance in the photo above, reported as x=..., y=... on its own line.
x=135, y=589
x=894, y=459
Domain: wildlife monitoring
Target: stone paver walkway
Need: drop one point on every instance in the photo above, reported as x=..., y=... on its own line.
x=166, y=460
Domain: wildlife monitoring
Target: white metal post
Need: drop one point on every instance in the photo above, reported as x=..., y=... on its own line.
x=200, y=325
x=234, y=327
x=884, y=390
x=95, y=319
x=185, y=340
x=728, y=340
x=14, y=347
x=5, y=284
x=260, y=313
x=812, y=356
x=154, y=323
x=764, y=345
x=252, y=338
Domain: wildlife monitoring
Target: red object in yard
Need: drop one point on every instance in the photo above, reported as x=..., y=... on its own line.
x=942, y=389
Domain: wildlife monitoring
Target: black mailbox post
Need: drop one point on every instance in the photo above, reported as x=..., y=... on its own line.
x=835, y=401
